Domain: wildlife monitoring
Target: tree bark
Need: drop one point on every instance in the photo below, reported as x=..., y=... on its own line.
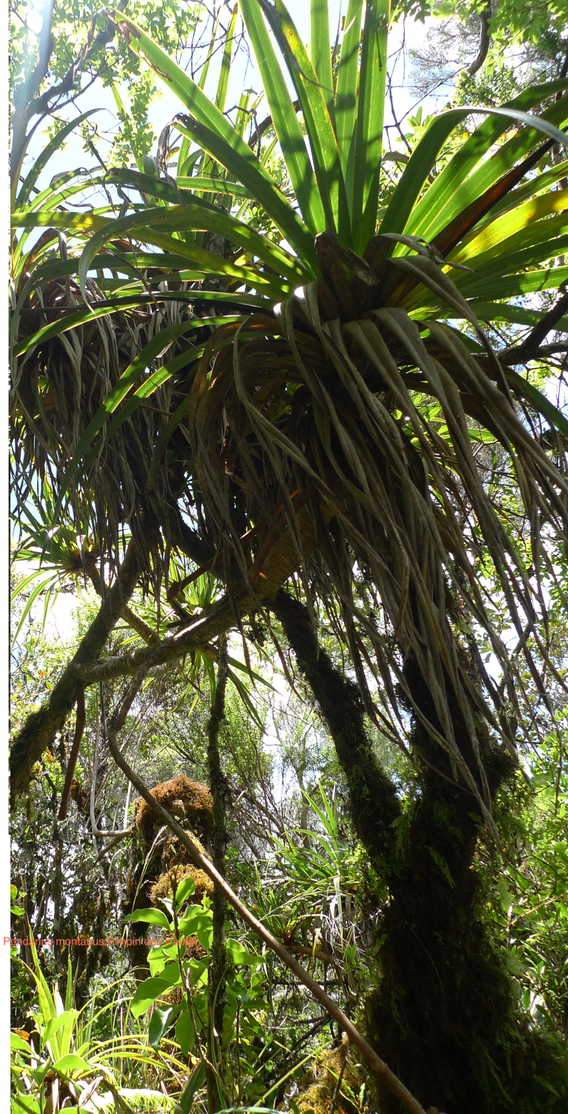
x=218, y=961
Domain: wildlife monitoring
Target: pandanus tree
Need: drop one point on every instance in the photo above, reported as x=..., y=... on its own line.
x=297, y=387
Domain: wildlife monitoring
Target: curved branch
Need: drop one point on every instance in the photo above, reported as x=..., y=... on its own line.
x=266, y=574
x=484, y=40
x=41, y=727
x=530, y=349
x=79, y=729
x=374, y=803
x=138, y=625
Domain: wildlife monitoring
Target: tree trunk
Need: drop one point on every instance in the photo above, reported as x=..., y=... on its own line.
x=443, y=1012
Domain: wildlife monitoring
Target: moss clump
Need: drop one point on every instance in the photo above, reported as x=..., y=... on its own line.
x=317, y=1088
x=186, y=800
x=163, y=887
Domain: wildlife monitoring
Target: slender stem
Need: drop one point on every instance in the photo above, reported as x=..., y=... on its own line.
x=218, y=960
x=79, y=729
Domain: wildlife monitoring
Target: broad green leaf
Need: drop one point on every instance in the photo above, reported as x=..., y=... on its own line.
x=18, y=1043
x=150, y=916
x=157, y=1028
x=239, y=954
x=185, y=1034
x=185, y=889
x=147, y=993
x=66, y=1022
x=196, y=920
x=71, y=1065
x=24, y=1104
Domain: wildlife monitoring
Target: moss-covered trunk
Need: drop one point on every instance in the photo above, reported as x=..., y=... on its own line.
x=443, y=1014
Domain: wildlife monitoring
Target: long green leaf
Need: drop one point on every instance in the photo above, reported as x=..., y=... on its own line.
x=404, y=203
x=518, y=315
x=212, y=131
x=364, y=167
x=517, y=227
x=513, y=285
x=285, y=120
x=320, y=132
x=347, y=79
x=460, y=183
x=199, y=214
x=71, y=321
x=43, y=159
x=320, y=51
x=539, y=401
x=200, y=184
x=127, y=380
x=223, y=83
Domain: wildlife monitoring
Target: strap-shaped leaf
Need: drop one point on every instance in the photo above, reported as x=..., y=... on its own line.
x=514, y=285
x=184, y=216
x=463, y=179
x=514, y=228
x=364, y=166
x=539, y=401
x=201, y=215
x=320, y=51
x=203, y=184
x=347, y=80
x=531, y=188
x=72, y=320
x=404, y=201
x=43, y=159
x=319, y=128
x=216, y=135
x=87, y=449
x=519, y=315
x=285, y=120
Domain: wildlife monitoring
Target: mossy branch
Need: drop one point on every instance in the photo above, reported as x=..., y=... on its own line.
x=374, y=803
x=40, y=728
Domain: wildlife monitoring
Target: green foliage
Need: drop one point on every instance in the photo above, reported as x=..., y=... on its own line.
x=277, y=375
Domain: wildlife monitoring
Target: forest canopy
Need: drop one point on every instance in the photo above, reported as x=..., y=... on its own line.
x=288, y=426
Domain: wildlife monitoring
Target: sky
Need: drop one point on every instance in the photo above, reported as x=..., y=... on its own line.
x=404, y=36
